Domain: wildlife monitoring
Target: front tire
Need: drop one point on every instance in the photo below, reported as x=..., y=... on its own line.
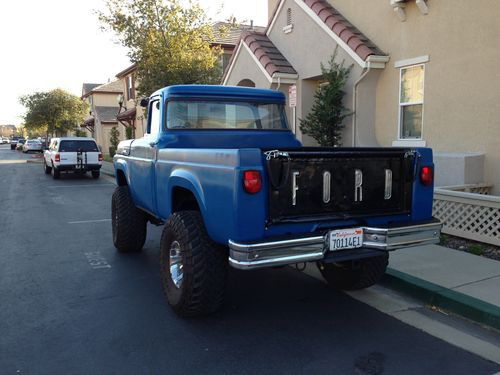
x=129, y=224
x=193, y=267
x=354, y=275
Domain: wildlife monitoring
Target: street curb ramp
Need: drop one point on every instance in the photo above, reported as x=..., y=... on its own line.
x=444, y=298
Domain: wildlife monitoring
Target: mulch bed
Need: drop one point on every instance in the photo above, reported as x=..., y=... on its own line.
x=469, y=246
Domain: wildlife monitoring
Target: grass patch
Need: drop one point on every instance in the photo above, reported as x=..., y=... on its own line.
x=476, y=249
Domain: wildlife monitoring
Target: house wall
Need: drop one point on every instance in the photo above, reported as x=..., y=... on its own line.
x=461, y=78
x=140, y=120
x=314, y=40
x=101, y=131
x=107, y=100
x=246, y=68
x=105, y=134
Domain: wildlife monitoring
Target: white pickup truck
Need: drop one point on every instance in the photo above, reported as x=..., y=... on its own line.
x=72, y=154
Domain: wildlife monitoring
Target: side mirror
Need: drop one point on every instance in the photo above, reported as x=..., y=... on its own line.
x=144, y=102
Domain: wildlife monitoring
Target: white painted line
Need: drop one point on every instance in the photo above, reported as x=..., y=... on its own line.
x=88, y=221
x=71, y=186
x=97, y=260
x=13, y=161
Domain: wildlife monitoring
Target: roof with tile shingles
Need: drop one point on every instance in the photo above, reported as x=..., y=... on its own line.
x=229, y=34
x=345, y=30
x=266, y=52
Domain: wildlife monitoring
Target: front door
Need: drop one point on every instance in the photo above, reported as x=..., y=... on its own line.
x=143, y=159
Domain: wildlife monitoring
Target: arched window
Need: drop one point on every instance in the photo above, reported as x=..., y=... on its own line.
x=246, y=83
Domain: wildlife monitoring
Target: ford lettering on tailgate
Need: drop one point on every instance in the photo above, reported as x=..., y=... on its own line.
x=339, y=187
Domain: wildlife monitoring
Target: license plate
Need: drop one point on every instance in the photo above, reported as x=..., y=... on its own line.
x=346, y=239
x=78, y=166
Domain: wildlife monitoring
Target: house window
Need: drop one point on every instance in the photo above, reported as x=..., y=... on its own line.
x=130, y=87
x=411, y=102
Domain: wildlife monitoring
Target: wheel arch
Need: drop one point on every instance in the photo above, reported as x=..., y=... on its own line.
x=121, y=173
x=185, y=186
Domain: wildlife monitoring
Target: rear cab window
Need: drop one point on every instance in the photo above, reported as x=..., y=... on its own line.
x=76, y=146
x=192, y=114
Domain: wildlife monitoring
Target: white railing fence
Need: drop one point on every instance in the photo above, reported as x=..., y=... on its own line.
x=469, y=211
x=483, y=188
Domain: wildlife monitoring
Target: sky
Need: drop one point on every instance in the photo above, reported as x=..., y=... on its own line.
x=47, y=44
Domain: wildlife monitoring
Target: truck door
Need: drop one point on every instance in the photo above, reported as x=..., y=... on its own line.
x=143, y=159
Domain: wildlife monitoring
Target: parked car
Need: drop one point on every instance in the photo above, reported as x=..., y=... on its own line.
x=234, y=186
x=32, y=145
x=5, y=140
x=20, y=143
x=72, y=154
x=13, y=142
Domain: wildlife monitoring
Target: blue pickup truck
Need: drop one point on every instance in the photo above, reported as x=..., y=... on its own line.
x=221, y=169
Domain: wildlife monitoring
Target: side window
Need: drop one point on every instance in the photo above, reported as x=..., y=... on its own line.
x=154, y=118
x=411, y=102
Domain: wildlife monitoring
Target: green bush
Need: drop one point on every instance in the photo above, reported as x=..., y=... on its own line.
x=112, y=151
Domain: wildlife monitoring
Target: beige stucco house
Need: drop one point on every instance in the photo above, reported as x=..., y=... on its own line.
x=425, y=73
x=103, y=104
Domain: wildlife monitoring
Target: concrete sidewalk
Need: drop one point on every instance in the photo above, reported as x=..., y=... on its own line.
x=466, y=284
x=108, y=168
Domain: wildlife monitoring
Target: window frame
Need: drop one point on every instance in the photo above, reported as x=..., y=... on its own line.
x=401, y=105
x=153, y=100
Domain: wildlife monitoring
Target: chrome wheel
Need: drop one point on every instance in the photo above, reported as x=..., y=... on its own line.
x=176, y=266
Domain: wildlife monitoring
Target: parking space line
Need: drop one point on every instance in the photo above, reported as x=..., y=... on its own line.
x=12, y=161
x=88, y=221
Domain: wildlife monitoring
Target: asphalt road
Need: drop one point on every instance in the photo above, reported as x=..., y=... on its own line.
x=71, y=305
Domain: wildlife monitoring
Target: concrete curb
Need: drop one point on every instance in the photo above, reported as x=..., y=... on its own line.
x=447, y=299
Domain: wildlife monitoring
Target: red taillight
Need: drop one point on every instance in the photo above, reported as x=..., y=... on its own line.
x=57, y=158
x=252, y=181
x=100, y=157
x=426, y=176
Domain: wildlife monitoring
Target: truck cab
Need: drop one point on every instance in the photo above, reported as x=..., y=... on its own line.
x=221, y=168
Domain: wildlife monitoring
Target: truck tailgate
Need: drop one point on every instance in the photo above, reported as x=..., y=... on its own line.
x=326, y=184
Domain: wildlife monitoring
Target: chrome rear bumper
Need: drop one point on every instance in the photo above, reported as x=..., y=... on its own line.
x=314, y=248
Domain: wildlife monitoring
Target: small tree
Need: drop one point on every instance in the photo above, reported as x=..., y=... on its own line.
x=114, y=140
x=325, y=120
x=129, y=132
x=55, y=111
